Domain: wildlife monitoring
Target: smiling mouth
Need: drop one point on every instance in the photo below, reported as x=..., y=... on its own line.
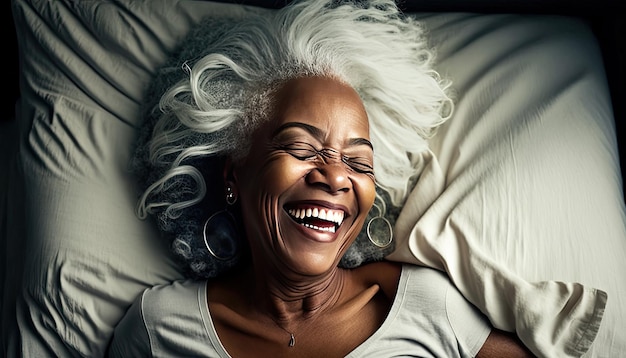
x=315, y=218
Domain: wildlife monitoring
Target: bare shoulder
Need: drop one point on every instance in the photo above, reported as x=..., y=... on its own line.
x=386, y=274
x=500, y=343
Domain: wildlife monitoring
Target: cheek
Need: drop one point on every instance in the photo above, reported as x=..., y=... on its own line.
x=261, y=187
x=278, y=176
x=272, y=176
x=366, y=190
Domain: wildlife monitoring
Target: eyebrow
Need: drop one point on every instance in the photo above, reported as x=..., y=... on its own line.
x=318, y=133
x=360, y=141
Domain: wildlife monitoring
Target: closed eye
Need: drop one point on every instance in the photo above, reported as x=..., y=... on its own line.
x=306, y=151
x=358, y=164
x=300, y=150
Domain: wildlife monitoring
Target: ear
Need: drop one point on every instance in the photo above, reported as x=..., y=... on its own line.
x=230, y=182
x=230, y=172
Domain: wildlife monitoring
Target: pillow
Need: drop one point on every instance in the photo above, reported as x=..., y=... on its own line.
x=77, y=256
x=79, y=252
x=523, y=184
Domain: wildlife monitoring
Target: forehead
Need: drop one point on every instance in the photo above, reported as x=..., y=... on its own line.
x=322, y=102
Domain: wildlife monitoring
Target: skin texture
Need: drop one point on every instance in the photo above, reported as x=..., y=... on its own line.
x=296, y=161
x=503, y=344
x=314, y=153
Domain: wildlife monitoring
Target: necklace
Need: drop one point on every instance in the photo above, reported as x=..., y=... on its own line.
x=292, y=338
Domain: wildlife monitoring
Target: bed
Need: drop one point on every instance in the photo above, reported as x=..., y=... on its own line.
x=520, y=199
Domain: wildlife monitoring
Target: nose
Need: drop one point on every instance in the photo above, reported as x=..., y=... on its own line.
x=331, y=177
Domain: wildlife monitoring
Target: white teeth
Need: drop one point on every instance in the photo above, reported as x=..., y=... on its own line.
x=329, y=229
x=335, y=216
x=322, y=214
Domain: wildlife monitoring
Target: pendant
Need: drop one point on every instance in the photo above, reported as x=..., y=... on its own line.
x=292, y=340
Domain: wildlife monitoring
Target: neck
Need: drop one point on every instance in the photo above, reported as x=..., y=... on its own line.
x=287, y=297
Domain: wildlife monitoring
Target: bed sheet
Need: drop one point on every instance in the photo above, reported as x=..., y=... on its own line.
x=521, y=185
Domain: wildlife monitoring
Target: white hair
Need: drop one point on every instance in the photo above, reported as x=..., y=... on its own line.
x=230, y=79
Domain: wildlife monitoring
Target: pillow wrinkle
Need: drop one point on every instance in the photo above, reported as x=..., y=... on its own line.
x=538, y=176
x=534, y=310
x=82, y=67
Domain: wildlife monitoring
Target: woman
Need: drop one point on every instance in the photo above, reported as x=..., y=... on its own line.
x=290, y=108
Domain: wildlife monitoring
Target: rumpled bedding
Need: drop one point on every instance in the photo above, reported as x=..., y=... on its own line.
x=520, y=198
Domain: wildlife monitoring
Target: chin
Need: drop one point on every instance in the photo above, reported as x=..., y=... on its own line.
x=313, y=264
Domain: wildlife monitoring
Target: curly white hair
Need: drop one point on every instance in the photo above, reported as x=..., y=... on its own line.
x=219, y=88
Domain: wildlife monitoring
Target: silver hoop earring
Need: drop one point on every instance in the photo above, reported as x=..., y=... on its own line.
x=221, y=230
x=231, y=197
x=379, y=230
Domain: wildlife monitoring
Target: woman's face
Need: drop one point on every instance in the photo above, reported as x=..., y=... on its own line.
x=308, y=182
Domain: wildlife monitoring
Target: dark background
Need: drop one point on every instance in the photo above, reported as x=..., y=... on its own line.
x=606, y=18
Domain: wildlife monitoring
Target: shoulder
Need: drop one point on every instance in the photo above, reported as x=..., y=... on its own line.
x=160, y=303
x=133, y=334
x=386, y=274
x=160, y=317
x=430, y=295
x=432, y=288
x=426, y=279
x=175, y=292
x=432, y=292
x=156, y=303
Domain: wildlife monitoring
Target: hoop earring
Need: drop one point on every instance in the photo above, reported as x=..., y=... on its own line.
x=379, y=230
x=221, y=229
